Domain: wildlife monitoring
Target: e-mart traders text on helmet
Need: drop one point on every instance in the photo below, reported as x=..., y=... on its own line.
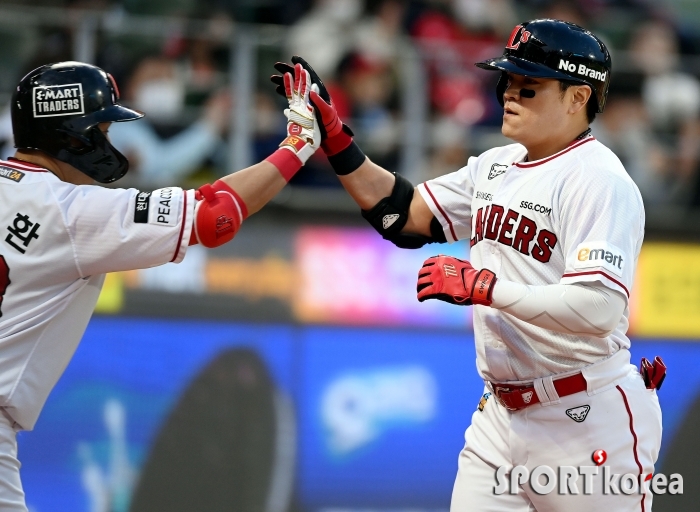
x=555, y=49
x=57, y=109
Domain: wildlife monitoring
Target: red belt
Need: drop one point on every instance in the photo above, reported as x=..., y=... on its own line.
x=515, y=398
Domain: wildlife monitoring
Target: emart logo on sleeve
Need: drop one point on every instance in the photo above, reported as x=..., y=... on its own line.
x=600, y=254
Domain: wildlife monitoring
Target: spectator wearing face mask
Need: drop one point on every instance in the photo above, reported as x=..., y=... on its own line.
x=156, y=89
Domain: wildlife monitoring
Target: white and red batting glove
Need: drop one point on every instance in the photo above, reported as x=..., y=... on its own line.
x=303, y=133
x=455, y=281
x=336, y=137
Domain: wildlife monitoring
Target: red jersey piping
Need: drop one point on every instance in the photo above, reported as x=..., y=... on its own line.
x=634, y=437
x=182, y=227
x=574, y=145
x=574, y=274
x=452, y=229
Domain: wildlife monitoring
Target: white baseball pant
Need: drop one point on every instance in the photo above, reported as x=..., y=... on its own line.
x=624, y=419
x=11, y=492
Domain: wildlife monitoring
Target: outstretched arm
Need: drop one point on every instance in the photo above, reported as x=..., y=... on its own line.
x=388, y=201
x=258, y=184
x=223, y=206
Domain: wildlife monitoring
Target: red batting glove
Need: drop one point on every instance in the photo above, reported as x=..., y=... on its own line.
x=455, y=281
x=330, y=124
x=336, y=137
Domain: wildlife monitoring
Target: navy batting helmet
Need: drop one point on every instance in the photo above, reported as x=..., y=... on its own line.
x=555, y=49
x=57, y=109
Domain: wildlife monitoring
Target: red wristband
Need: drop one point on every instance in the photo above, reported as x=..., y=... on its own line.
x=287, y=163
x=482, y=291
x=334, y=145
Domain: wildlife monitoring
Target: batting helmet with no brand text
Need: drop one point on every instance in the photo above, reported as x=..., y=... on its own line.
x=555, y=49
x=57, y=109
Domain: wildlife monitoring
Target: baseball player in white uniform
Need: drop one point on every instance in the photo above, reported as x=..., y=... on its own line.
x=555, y=226
x=62, y=234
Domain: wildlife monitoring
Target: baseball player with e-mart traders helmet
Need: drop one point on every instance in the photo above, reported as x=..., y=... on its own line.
x=62, y=234
x=555, y=226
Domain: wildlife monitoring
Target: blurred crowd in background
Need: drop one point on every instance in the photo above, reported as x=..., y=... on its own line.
x=182, y=82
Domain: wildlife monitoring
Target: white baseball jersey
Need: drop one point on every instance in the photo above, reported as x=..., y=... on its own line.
x=575, y=216
x=57, y=243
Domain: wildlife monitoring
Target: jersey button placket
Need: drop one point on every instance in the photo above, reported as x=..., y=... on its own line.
x=490, y=256
x=505, y=198
x=495, y=250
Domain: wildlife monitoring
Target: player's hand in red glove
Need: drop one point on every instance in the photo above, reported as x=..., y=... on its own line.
x=455, y=281
x=335, y=136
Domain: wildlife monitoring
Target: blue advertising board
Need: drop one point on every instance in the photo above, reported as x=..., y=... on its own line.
x=380, y=413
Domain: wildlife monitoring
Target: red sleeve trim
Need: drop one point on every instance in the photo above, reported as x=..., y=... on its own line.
x=574, y=274
x=182, y=226
x=437, y=205
x=544, y=161
x=634, y=437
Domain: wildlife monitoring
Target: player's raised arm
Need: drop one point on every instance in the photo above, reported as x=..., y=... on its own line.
x=389, y=202
x=243, y=193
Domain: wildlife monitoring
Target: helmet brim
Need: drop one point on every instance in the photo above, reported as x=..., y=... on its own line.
x=523, y=67
x=116, y=114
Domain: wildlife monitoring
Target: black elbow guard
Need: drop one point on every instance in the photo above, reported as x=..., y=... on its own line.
x=389, y=216
x=413, y=241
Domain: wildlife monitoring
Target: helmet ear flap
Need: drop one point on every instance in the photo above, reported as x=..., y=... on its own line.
x=99, y=159
x=501, y=87
x=75, y=142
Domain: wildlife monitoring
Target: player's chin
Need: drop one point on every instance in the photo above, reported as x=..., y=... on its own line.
x=510, y=128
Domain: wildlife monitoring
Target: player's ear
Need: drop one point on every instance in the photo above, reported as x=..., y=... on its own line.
x=580, y=95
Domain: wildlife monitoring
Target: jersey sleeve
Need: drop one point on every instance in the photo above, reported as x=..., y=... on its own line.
x=449, y=197
x=602, y=222
x=123, y=229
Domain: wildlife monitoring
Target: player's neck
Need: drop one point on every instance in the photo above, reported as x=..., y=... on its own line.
x=63, y=171
x=38, y=158
x=549, y=147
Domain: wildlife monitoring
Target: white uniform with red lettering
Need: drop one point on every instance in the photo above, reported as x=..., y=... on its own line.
x=574, y=217
x=58, y=241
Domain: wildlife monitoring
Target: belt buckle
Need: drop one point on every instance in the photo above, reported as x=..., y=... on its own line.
x=497, y=390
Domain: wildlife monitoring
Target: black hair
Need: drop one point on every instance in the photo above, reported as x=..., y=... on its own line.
x=591, y=105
